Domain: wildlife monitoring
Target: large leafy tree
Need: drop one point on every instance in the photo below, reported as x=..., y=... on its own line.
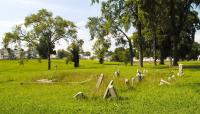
x=121, y=16
x=43, y=27
x=100, y=48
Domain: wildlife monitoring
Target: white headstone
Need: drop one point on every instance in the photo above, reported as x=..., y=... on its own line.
x=99, y=81
x=180, y=73
x=110, y=91
x=117, y=73
x=139, y=76
x=113, y=91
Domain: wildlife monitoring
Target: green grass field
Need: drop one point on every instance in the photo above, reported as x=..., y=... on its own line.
x=18, y=95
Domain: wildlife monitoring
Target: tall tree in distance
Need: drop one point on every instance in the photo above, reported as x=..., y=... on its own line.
x=75, y=48
x=50, y=29
x=98, y=32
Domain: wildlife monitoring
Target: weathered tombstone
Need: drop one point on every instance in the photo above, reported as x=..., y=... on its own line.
x=162, y=82
x=180, y=73
x=127, y=82
x=139, y=76
x=99, y=81
x=110, y=91
x=117, y=73
x=80, y=96
x=44, y=81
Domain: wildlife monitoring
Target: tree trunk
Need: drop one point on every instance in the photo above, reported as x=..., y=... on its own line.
x=175, y=52
x=140, y=38
x=162, y=62
x=140, y=44
x=101, y=60
x=174, y=34
x=49, y=60
x=76, y=59
x=131, y=52
x=154, y=45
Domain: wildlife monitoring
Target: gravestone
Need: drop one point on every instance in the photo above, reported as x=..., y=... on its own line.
x=132, y=80
x=99, y=81
x=180, y=73
x=117, y=73
x=162, y=82
x=44, y=81
x=127, y=82
x=139, y=76
x=80, y=96
x=110, y=91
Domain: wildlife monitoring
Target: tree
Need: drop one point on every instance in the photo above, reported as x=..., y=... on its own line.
x=50, y=29
x=75, y=48
x=100, y=48
x=99, y=33
x=61, y=54
x=42, y=48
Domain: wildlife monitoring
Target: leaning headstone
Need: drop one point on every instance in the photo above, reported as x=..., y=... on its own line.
x=117, y=73
x=180, y=73
x=110, y=91
x=100, y=79
x=127, y=82
x=80, y=96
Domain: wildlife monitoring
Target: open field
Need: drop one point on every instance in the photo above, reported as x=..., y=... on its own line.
x=19, y=95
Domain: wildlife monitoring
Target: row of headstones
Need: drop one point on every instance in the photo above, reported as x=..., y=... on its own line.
x=173, y=77
x=110, y=90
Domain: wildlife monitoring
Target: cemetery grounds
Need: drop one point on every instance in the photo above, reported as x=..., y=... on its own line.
x=20, y=94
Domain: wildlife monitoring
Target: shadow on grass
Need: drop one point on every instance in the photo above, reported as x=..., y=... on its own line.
x=192, y=66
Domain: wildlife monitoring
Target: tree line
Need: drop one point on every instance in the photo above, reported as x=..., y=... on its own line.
x=150, y=28
x=160, y=28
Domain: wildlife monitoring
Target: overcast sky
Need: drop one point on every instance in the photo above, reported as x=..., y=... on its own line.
x=14, y=11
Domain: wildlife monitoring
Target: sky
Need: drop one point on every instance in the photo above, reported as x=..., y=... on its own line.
x=14, y=11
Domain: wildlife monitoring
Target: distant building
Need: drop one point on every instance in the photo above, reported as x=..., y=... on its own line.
x=7, y=54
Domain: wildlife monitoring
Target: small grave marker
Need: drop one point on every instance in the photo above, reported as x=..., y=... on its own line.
x=180, y=73
x=117, y=73
x=139, y=76
x=80, y=96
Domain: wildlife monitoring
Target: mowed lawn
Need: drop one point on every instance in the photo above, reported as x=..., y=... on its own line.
x=20, y=95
